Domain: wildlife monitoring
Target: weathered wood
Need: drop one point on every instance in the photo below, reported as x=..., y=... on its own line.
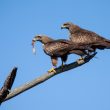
x=4, y=91
x=46, y=76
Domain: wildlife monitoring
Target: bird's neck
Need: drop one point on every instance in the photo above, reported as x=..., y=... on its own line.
x=73, y=29
x=47, y=40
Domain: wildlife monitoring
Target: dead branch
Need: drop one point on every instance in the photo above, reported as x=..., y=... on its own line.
x=46, y=76
x=4, y=91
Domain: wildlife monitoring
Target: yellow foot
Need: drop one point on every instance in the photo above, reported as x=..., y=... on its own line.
x=51, y=70
x=80, y=61
x=81, y=58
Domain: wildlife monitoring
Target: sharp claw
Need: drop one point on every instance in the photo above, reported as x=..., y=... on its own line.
x=81, y=60
x=52, y=70
x=9, y=90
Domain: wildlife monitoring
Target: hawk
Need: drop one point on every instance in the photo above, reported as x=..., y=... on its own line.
x=86, y=37
x=59, y=48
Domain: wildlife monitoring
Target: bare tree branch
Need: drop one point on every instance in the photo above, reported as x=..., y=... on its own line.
x=4, y=91
x=46, y=76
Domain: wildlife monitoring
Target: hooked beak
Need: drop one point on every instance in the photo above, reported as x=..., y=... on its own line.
x=63, y=27
x=33, y=41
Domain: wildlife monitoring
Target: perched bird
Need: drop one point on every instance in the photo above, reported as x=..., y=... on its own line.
x=86, y=37
x=59, y=48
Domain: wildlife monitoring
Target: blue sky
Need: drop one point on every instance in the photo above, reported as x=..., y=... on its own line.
x=84, y=88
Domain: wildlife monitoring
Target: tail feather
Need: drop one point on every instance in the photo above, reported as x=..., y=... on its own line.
x=107, y=44
x=103, y=45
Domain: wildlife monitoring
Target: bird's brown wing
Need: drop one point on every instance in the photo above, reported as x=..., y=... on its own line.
x=61, y=47
x=57, y=47
x=86, y=37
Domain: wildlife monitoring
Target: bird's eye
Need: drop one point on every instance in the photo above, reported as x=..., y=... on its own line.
x=39, y=36
x=65, y=24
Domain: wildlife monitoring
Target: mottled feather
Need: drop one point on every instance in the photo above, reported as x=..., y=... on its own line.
x=59, y=48
x=86, y=37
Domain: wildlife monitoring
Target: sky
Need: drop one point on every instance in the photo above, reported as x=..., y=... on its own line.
x=84, y=88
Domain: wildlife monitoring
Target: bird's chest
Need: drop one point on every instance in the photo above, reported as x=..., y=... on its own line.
x=52, y=50
x=47, y=50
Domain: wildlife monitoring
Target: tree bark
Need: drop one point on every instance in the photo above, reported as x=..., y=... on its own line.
x=47, y=76
x=4, y=91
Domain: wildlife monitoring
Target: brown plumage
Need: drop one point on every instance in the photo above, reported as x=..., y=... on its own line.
x=4, y=91
x=59, y=48
x=86, y=37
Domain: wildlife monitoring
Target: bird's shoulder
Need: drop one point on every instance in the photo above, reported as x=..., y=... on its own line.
x=60, y=44
x=82, y=31
x=62, y=41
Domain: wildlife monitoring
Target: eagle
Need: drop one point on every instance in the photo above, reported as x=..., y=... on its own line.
x=59, y=48
x=86, y=37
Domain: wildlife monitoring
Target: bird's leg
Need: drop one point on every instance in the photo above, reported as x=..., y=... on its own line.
x=54, y=63
x=63, y=60
x=52, y=70
x=84, y=55
x=62, y=65
x=9, y=90
x=80, y=60
x=87, y=53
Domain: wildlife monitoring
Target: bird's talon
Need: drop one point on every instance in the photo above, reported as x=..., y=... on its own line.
x=52, y=70
x=9, y=90
x=81, y=58
x=79, y=61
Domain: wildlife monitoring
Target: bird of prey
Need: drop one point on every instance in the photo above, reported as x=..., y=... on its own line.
x=59, y=48
x=86, y=37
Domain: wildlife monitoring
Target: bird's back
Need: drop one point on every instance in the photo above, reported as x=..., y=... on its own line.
x=57, y=47
x=61, y=47
x=86, y=37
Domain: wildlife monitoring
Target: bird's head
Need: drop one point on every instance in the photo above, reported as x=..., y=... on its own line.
x=67, y=25
x=37, y=38
x=70, y=26
x=42, y=38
